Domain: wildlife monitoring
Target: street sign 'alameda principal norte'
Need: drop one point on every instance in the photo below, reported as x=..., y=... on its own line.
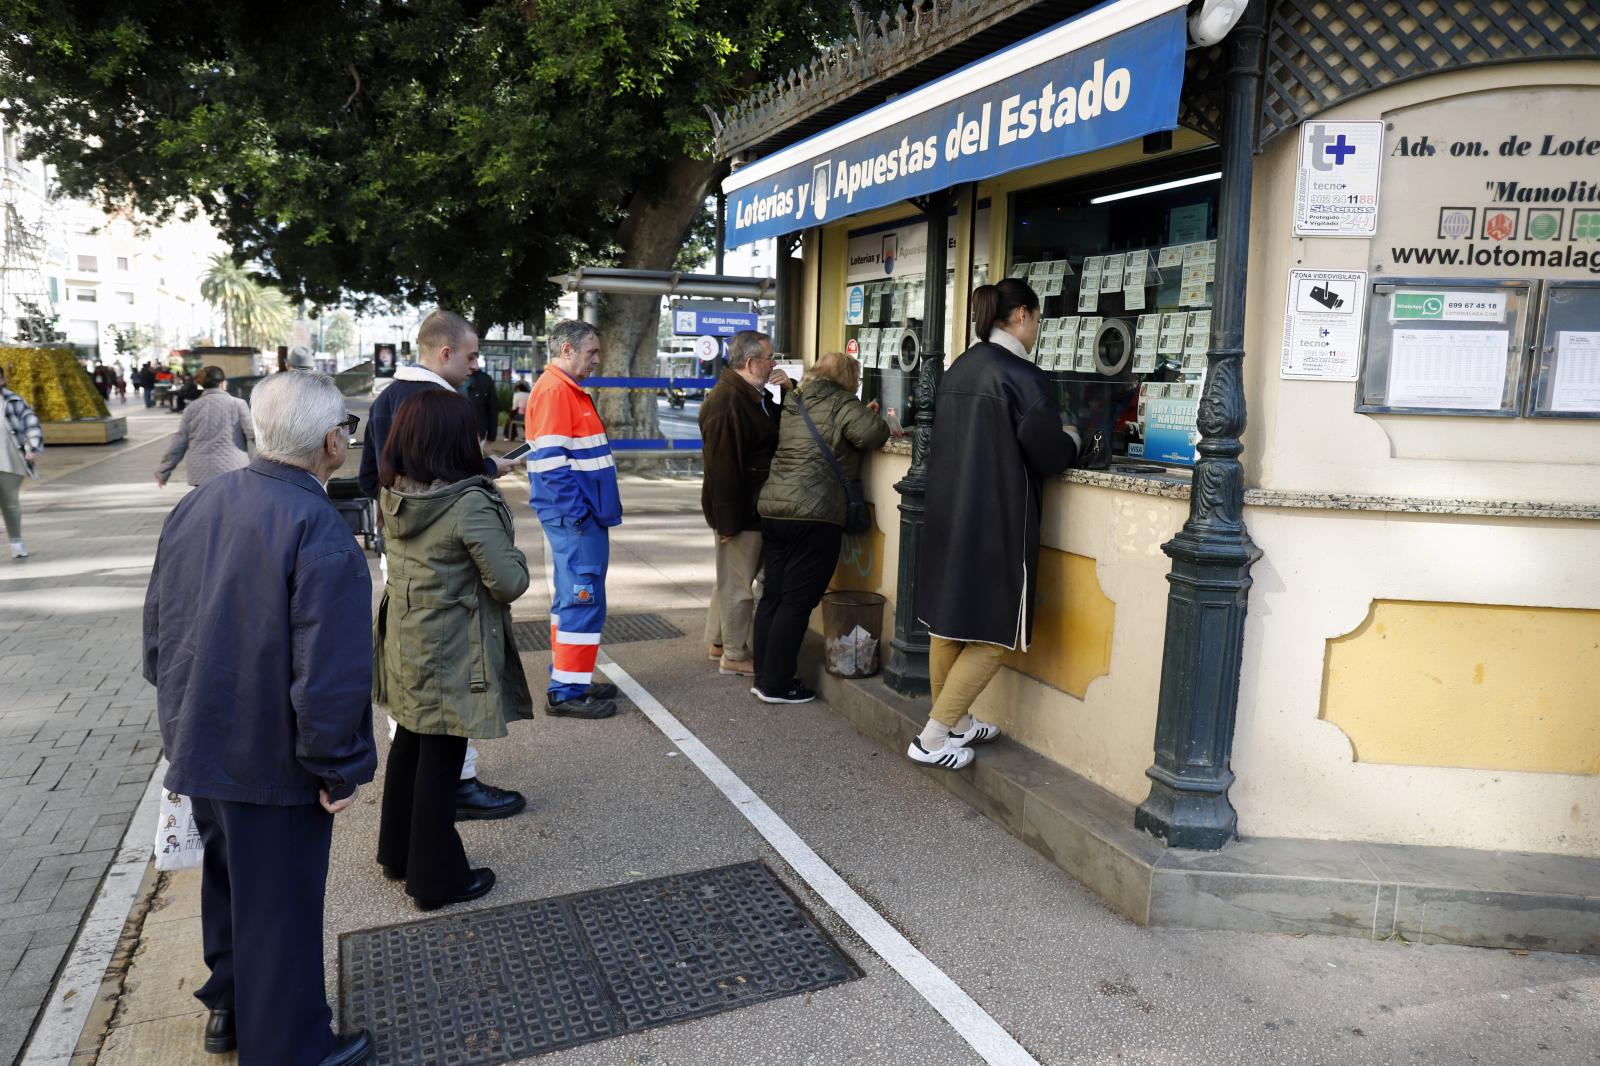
x=1107, y=76
x=712, y=319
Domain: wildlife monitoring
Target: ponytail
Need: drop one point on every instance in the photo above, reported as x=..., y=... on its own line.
x=994, y=304
x=985, y=301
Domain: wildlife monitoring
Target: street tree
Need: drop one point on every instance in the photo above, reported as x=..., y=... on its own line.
x=438, y=150
x=339, y=334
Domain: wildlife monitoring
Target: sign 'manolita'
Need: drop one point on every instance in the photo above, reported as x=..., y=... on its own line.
x=1116, y=89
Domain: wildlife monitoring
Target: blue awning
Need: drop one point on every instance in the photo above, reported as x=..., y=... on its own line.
x=1104, y=77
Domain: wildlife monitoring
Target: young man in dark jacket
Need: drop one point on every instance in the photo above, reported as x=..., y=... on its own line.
x=446, y=346
x=482, y=395
x=257, y=636
x=739, y=433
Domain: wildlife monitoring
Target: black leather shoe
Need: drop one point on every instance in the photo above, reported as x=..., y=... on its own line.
x=584, y=706
x=351, y=1050
x=392, y=874
x=482, y=881
x=474, y=799
x=221, y=1037
x=603, y=690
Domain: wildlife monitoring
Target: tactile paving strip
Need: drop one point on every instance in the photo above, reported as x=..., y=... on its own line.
x=619, y=629
x=505, y=983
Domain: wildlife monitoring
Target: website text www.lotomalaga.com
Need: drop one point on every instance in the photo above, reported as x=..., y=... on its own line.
x=1559, y=257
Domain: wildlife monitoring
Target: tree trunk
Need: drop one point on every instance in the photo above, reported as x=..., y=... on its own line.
x=655, y=229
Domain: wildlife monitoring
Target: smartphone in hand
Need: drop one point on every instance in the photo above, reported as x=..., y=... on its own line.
x=519, y=451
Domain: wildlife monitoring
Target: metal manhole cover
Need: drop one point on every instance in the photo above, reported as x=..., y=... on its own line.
x=619, y=629
x=505, y=983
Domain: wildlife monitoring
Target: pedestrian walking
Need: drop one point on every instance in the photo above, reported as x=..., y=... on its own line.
x=519, y=410
x=480, y=391
x=104, y=379
x=122, y=385
x=445, y=343
x=572, y=481
x=739, y=433
x=998, y=434
x=257, y=636
x=20, y=445
x=803, y=508
x=446, y=666
x=147, y=384
x=214, y=435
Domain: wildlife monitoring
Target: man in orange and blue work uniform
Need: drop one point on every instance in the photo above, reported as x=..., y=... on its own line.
x=573, y=481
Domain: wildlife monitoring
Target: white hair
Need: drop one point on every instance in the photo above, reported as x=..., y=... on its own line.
x=293, y=414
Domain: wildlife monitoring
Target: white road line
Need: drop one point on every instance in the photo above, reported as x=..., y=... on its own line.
x=58, y=1032
x=970, y=1021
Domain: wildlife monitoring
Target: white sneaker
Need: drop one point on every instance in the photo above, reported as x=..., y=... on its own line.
x=977, y=733
x=18, y=550
x=949, y=756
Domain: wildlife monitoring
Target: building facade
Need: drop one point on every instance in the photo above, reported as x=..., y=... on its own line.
x=106, y=274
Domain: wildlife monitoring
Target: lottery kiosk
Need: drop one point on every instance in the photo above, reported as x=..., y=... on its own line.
x=1325, y=292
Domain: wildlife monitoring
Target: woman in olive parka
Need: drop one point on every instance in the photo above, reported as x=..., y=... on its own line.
x=447, y=668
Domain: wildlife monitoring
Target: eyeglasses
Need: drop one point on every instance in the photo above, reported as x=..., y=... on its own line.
x=350, y=423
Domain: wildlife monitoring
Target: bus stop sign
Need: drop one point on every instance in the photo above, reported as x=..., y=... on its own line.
x=710, y=320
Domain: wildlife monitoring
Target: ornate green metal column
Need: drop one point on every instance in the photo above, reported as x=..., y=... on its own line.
x=1212, y=555
x=907, y=673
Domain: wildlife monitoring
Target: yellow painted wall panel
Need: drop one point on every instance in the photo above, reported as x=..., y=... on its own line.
x=1469, y=685
x=1073, y=625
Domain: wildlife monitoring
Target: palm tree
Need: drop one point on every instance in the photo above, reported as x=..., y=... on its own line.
x=268, y=321
x=226, y=286
x=252, y=314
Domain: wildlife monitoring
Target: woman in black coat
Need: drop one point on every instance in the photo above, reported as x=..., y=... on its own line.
x=996, y=435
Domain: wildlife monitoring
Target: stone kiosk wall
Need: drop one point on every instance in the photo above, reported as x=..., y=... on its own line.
x=1421, y=654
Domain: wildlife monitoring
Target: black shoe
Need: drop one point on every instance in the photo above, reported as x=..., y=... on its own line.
x=221, y=1037
x=391, y=874
x=476, y=800
x=482, y=881
x=795, y=692
x=584, y=706
x=602, y=690
x=350, y=1050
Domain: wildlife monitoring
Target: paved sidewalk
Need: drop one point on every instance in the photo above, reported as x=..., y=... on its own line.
x=615, y=801
x=78, y=737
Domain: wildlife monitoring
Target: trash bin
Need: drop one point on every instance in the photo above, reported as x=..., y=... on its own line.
x=852, y=626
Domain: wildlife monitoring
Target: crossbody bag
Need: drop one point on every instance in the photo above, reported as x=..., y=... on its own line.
x=857, y=519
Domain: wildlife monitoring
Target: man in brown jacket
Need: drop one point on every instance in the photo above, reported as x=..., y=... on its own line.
x=739, y=430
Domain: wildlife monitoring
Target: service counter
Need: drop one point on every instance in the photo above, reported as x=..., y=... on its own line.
x=1085, y=696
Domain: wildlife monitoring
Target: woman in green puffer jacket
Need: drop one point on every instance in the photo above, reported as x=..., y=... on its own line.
x=802, y=509
x=446, y=667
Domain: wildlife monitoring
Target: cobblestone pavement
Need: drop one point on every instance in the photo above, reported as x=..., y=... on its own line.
x=78, y=736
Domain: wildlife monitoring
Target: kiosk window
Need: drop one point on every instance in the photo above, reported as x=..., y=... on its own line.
x=1124, y=263
x=884, y=300
x=1446, y=347
x=1566, y=363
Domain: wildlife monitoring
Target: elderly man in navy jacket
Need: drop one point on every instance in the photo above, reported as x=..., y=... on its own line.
x=257, y=636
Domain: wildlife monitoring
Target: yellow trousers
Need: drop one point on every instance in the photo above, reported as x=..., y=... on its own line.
x=958, y=672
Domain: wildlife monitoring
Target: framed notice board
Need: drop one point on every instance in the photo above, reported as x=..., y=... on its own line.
x=1566, y=359
x=1446, y=346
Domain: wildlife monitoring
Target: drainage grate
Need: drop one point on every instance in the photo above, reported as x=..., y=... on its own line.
x=494, y=985
x=619, y=629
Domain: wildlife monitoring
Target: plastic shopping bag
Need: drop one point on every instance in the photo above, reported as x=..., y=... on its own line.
x=178, y=845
